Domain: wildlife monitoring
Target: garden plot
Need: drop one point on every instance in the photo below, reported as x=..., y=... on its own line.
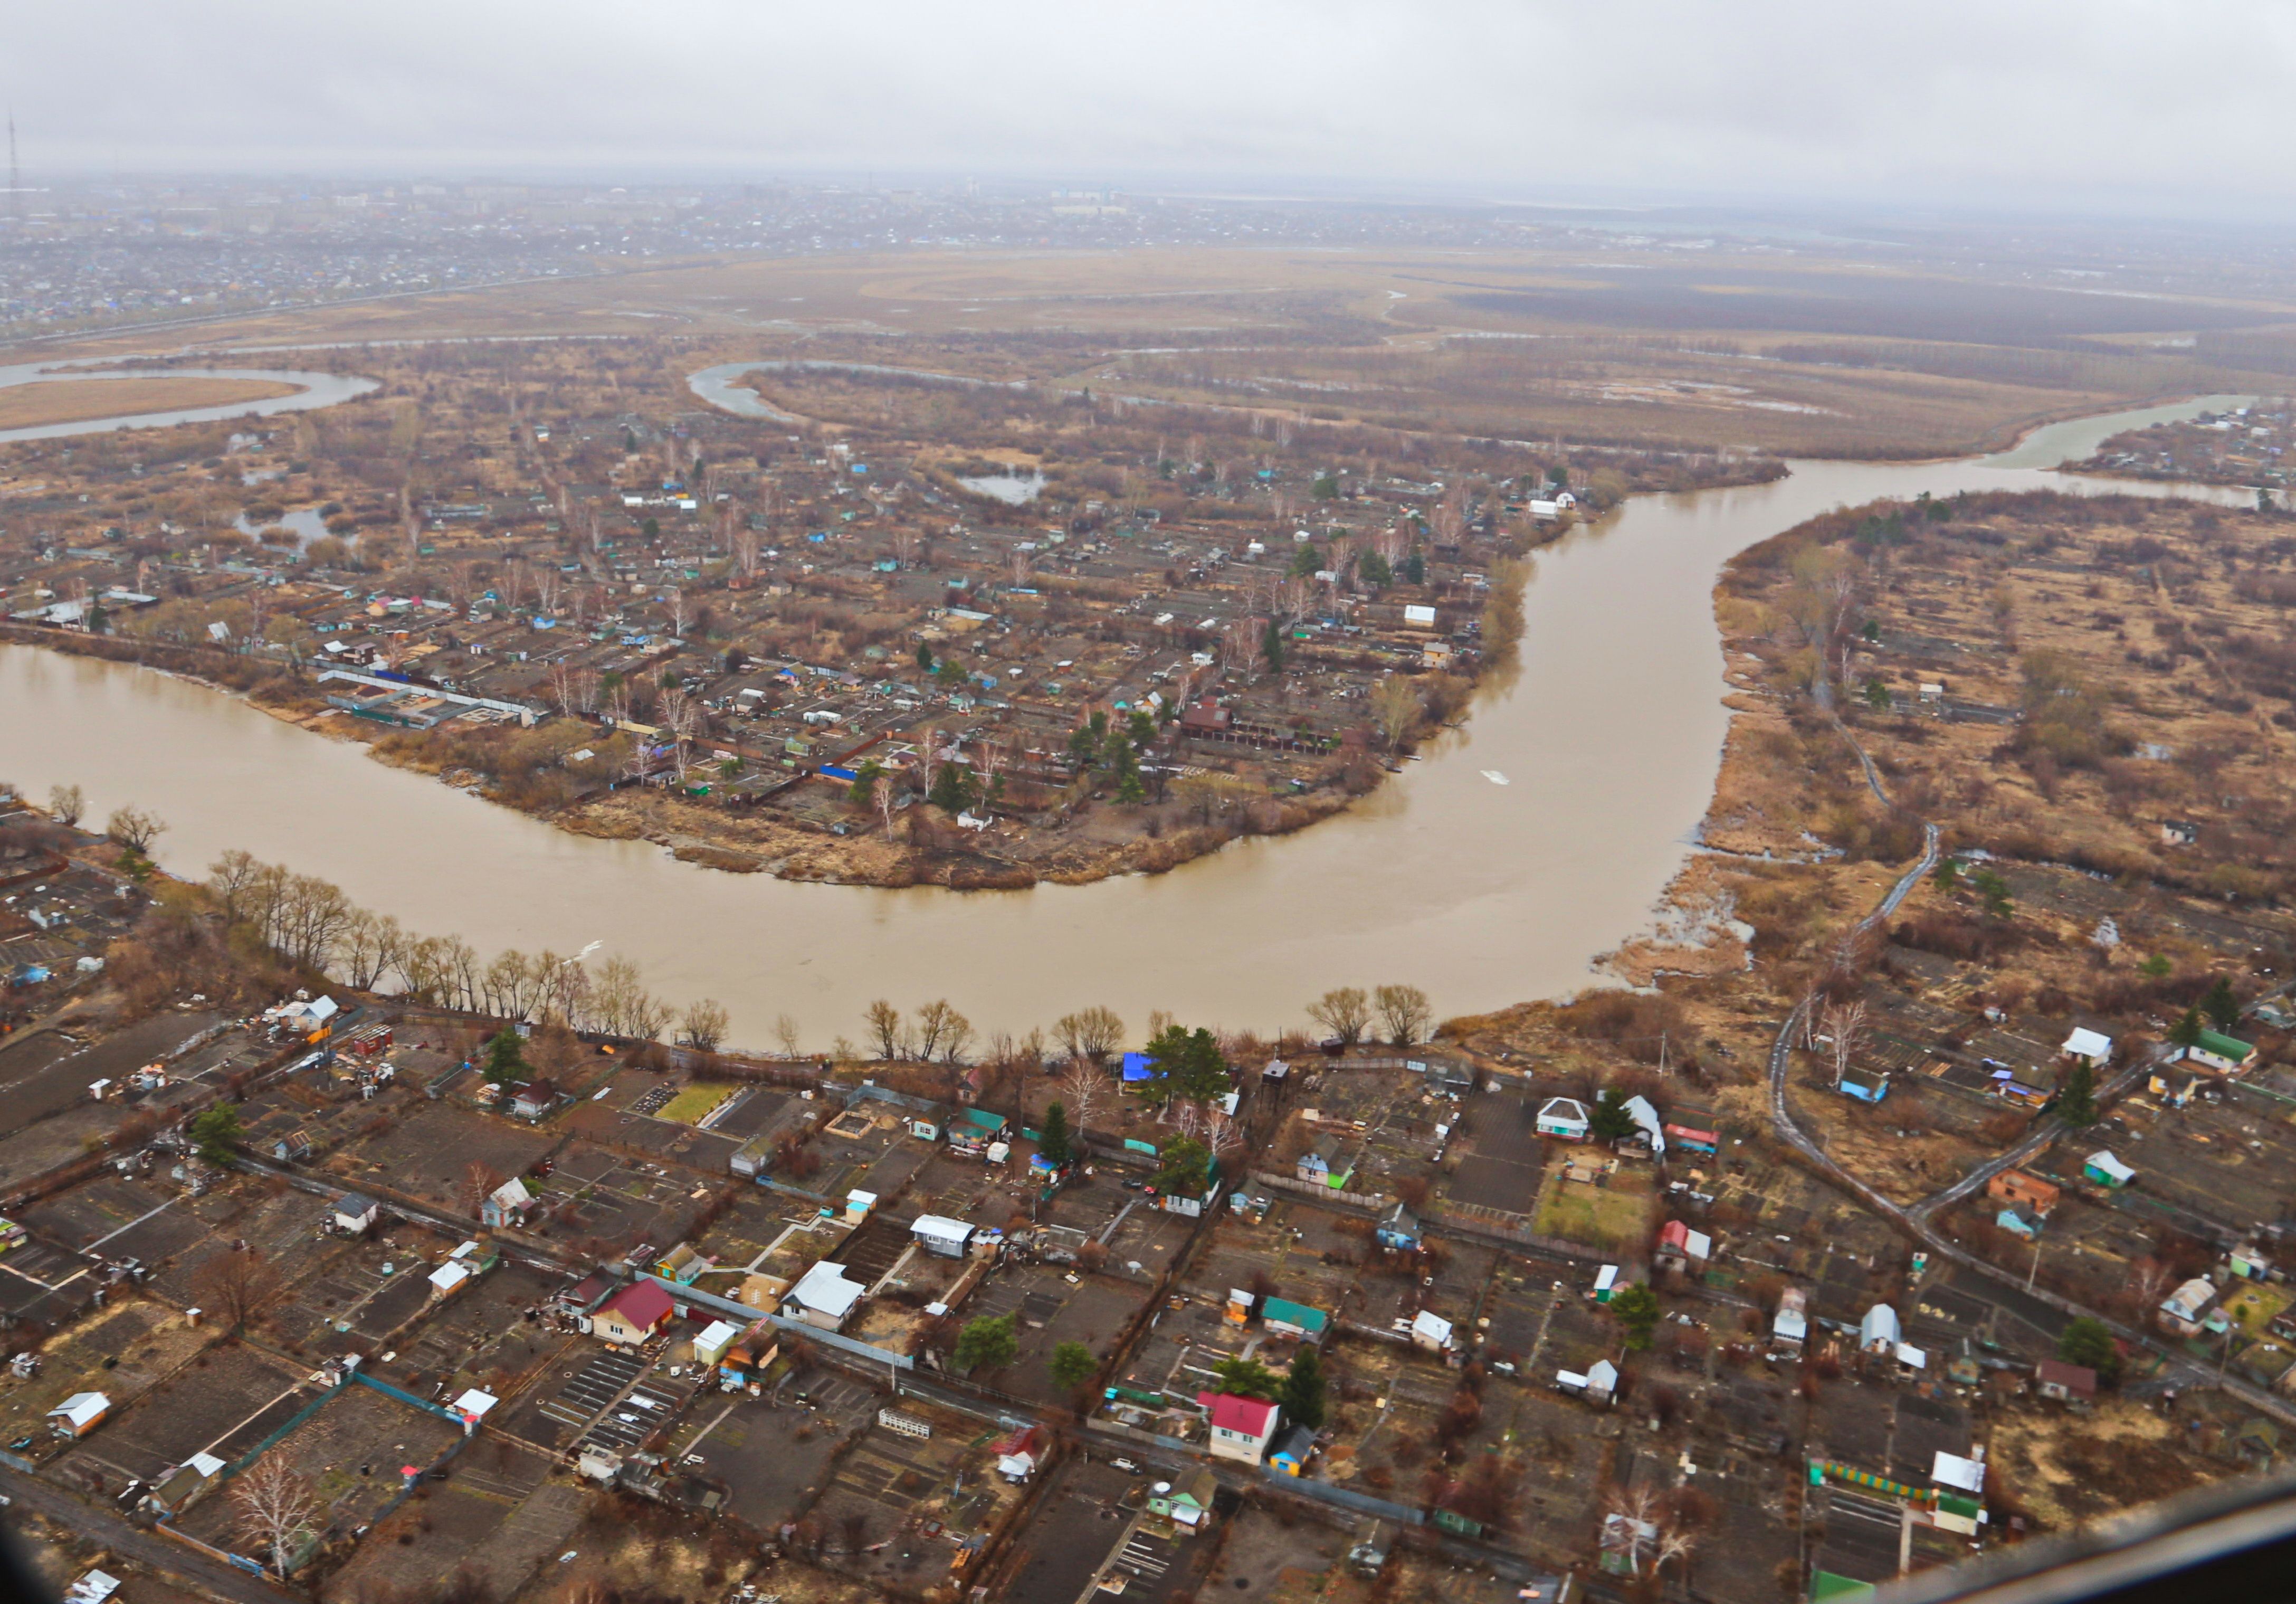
x=481, y=1336
x=447, y=1526
x=120, y=1217
x=775, y=1453
x=224, y=1403
x=556, y=1412
x=121, y=1350
x=1050, y=1311
x=887, y=1486
x=354, y=1450
x=432, y=1152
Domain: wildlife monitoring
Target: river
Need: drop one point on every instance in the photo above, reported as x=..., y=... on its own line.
x=1608, y=735
x=317, y=389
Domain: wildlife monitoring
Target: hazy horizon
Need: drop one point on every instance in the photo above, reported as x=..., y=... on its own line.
x=2113, y=109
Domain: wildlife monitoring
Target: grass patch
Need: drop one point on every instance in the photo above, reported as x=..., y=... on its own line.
x=696, y=1102
x=1609, y=1217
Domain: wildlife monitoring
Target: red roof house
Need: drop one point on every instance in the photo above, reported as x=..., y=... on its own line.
x=1241, y=1427
x=633, y=1315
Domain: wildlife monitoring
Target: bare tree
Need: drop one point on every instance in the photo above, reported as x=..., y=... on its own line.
x=884, y=1021
x=785, y=1033
x=1844, y=1026
x=881, y=793
x=1082, y=1087
x=1405, y=1011
x=1089, y=1032
x=229, y=877
x=275, y=1509
x=933, y=1022
x=479, y=1181
x=703, y=1024
x=238, y=1284
x=1344, y=1011
x=1395, y=705
x=66, y=803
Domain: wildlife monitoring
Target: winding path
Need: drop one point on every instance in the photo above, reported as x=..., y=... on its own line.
x=1915, y=1222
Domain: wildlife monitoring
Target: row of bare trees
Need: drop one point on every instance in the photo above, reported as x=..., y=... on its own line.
x=1347, y=1012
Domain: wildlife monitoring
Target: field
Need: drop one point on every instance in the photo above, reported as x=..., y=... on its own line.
x=73, y=401
x=694, y=1103
x=1609, y=1216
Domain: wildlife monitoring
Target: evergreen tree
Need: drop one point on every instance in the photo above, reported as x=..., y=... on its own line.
x=1240, y=1378
x=2088, y=1341
x=2221, y=1006
x=1271, y=648
x=1140, y=728
x=1186, y=1168
x=2186, y=1032
x=864, y=781
x=924, y=656
x=953, y=789
x=1303, y=1390
x=1610, y=1121
x=2077, y=1098
x=1071, y=1365
x=1635, y=1309
x=1372, y=569
x=215, y=1133
x=506, y=1057
x=1415, y=569
x=1053, y=1142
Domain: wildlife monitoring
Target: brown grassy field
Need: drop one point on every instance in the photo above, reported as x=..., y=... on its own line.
x=77, y=400
x=1613, y=346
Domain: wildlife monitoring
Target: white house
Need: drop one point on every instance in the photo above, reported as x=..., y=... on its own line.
x=1565, y=1117
x=939, y=1234
x=1432, y=1332
x=2092, y=1047
x=354, y=1214
x=1878, y=1332
x=1791, y=1326
x=1647, y=1119
x=78, y=1414
x=825, y=1297
x=1241, y=1428
x=507, y=1205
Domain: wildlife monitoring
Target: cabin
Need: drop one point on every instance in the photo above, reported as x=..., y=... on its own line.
x=1606, y=1284
x=505, y=1205
x=293, y=1148
x=2106, y=1171
x=1649, y=1132
x=1328, y=1162
x=2084, y=1046
x=978, y=1133
x=716, y=1338
x=2213, y=1049
x=1241, y=1428
x=1399, y=1230
x=1291, y=1449
x=78, y=1414
x=1878, y=1331
x=2019, y=1222
x=941, y=1236
x=1431, y=1331
x=353, y=1213
x=2066, y=1383
x=1564, y=1118
x=633, y=1315
x=2185, y=1310
x=532, y=1100
x=1869, y=1086
x=1598, y=1385
x=682, y=1264
x=1791, y=1327
x=1187, y=1501
x=1681, y=1248
x=1284, y=1318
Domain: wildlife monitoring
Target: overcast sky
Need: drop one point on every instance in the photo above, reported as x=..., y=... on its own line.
x=2122, y=102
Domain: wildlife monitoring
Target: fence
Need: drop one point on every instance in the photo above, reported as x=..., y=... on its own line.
x=1322, y=1194
x=1362, y=1503
x=795, y=1327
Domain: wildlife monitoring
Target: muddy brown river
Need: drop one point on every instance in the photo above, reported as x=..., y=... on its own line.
x=1607, y=738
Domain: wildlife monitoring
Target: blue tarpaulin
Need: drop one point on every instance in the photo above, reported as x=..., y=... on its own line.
x=1136, y=1067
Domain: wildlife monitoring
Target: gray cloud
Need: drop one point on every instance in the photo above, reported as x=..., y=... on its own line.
x=2102, y=101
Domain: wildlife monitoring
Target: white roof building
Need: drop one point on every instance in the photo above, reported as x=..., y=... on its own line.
x=1602, y=1380
x=1878, y=1332
x=825, y=1290
x=2095, y=1045
x=78, y=1413
x=942, y=1235
x=1646, y=1117
x=1431, y=1330
x=1952, y=1470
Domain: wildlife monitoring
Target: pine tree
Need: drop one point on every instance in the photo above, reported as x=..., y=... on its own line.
x=2186, y=1032
x=2077, y=1098
x=1303, y=1390
x=1053, y=1142
x=506, y=1057
x=2221, y=1006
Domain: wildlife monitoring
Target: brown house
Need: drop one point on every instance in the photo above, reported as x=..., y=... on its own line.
x=2014, y=1185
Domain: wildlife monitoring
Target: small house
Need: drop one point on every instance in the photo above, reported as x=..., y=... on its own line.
x=2185, y=1310
x=1399, y=1230
x=1681, y=1248
x=2019, y=1222
x=2103, y=1168
x=1878, y=1331
x=716, y=1338
x=1019, y=1454
x=1565, y=1118
x=1241, y=1428
x=451, y=1277
x=1602, y=1381
x=1328, y=1162
x=1286, y=1317
x=2066, y=1383
x=1606, y=1283
x=683, y=1264
x=1865, y=1085
x=1186, y=1501
x=939, y=1235
x=473, y=1407
x=1431, y=1331
x=2249, y=1262
x=755, y=1156
x=925, y=1127
x=507, y=1205
x=1791, y=1326
x=1648, y=1128
x=1691, y=1140
x=631, y=1315
x=975, y=1132
x=78, y=1414
x=858, y=1206
x=293, y=1148
x=2016, y=1187
x=178, y=1487
x=1239, y=1305
x=2216, y=1051
x=2084, y=1046
x=1291, y=1449
x=353, y=1213
x=532, y=1100
x=824, y=1297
